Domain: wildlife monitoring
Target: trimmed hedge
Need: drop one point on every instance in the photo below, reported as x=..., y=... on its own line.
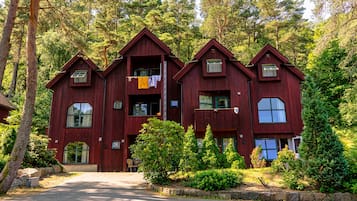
x=212, y=180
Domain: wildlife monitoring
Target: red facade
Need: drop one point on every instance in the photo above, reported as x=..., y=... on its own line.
x=104, y=110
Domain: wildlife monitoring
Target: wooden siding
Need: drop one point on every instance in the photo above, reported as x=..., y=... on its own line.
x=134, y=123
x=219, y=119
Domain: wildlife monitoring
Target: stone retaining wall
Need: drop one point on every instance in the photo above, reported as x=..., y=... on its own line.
x=256, y=195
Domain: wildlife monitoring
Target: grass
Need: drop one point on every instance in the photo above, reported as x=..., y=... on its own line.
x=257, y=176
x=45, y=183
x=252, y=177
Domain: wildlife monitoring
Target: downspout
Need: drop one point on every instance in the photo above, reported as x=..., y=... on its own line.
x=100, y=168
x=251, y=111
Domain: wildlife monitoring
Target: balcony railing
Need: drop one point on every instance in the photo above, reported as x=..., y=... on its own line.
x=220, y=119
x=153, y=86
x=133, y=124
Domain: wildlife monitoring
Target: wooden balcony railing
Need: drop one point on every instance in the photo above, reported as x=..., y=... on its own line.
x=133, y=123
x=133, y=88
x=220, y=119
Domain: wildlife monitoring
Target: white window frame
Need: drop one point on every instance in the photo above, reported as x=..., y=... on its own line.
x=80, y=76
x=72, y=115
x=214, y=65
x=269, y=70
x=271, y=111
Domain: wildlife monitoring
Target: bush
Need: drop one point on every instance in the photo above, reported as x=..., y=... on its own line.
x=284, y=160
x=37, y=154
x=190, y=157
x=211, y=157
x=256, y=158
x=159, y=148
x=234, y=160
x=212, y=180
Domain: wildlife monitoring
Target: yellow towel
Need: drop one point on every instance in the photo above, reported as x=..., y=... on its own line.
x=143, y=82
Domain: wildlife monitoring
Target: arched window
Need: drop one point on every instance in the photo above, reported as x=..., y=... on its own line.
x=76, y=153
x=271, y=110
x=79, y=115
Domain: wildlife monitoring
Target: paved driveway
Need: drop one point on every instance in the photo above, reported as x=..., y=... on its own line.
x=101, y=186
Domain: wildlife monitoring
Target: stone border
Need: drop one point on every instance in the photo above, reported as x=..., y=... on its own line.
x=255, y=195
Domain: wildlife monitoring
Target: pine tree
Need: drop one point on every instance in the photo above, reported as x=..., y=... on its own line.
x=210, y=152
x=190, y=158
x=321, y=151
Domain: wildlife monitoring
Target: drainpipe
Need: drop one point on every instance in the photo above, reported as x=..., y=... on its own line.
x=100, y=167
x=251, y=108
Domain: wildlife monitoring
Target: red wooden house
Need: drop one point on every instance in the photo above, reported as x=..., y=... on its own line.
x=254, y=105
x=135, y=87
x=97, y=115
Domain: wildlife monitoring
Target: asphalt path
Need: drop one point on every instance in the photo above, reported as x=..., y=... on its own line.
x=103, y=187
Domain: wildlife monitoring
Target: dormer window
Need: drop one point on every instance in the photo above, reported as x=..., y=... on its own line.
x=80, y=76
x=269, y=70
x=214, y=65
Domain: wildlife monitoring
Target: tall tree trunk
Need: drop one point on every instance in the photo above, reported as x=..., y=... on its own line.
x=6, y=34
x=9, y=172
x=16, y=64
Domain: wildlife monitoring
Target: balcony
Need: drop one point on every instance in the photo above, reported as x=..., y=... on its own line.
x=153, y=85
x=133, y=123
x=220, y=119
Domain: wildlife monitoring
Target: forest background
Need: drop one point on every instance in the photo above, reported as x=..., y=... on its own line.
x=324, y=48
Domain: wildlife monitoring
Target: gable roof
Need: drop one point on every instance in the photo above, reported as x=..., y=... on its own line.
x=145, y=32
x=69, y=64
x=4, y=103
x=204, y=50
x=209, y=45
x=268, y=48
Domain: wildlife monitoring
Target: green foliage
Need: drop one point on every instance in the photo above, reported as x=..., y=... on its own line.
x=190, y=156
x=3, y=160
x=234, y=160
x=159, y=148
x=320, y=150
x=256, y=158
x=330, y=79
x=212, y=180
x=37, y=154
x=285, y=158
x=348, y=106
x=8, y=139
x=210, y=153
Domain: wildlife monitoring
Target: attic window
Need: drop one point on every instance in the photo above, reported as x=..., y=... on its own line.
x=214, y=65
x=269, y=70
x=79, y=76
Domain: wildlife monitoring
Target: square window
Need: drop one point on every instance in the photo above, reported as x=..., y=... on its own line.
x=269, y=70
x=79, y=76
x=214, y=65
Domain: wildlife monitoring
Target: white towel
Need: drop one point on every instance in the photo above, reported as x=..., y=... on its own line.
x=153, y=80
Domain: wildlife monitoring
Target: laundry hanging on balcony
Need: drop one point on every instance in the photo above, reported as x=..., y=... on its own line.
x=153, y=80
x=143, y=82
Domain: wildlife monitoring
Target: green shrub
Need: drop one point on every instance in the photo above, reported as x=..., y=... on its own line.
x=234, y=160
x=37, y=154
x=190, y=156
x=256, y=158
x=285, y=158
x=159, y=148
x=212, y=180
x=210, y=155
